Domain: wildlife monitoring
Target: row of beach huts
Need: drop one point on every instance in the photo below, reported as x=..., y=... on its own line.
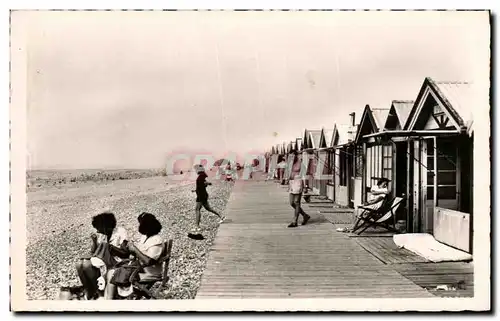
x=423, y=146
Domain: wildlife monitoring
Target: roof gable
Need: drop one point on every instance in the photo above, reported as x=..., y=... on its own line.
x=335, y=136
x=367, y=125
x=342, y=134
x=314, y=137
x=305, y=139
x=299, y=144
x=398, y=114
x=445, y=103
x=326, y=138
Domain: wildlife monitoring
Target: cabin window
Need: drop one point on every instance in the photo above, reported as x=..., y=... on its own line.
x=387, y=161
x=379, y=163
x=331, y=166
x=446, y=173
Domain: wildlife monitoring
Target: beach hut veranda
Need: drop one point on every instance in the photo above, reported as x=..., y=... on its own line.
x=373, y=158
x=343, y=150
x=439, y=137
x=324, y=169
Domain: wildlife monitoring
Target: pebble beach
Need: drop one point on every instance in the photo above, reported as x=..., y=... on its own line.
x=59, y=225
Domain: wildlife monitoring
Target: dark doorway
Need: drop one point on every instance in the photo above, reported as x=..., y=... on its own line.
x=401, y=169
x=401, y=177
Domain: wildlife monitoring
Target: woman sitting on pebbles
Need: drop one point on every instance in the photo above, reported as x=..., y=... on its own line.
x=108, y=248
x=144, y=255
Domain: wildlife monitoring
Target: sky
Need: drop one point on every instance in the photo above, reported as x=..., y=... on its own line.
x=127, y=89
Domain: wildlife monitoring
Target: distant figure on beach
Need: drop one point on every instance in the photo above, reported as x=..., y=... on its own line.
x=229, y=173
x=296, y=187
x=202, y=199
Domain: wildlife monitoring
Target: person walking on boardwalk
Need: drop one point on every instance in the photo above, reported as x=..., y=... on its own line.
x=202, y=201
x=295, y=188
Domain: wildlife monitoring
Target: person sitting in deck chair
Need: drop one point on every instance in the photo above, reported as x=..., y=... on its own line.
x=144, y=255
x=378, y=192
x=108, y=248
x=378, y=195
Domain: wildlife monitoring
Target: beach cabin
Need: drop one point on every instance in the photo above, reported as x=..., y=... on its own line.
x=310, y=149
x=279, y=158
x=330, y=183
x=344, y=163
x=267, y=160
x=290, y=148
x=284, y=150
x=298, y=143
x=324, y=170
x=440, y=138
x=273, y=162
x=442, y=178
x=372, y=157
x=396, y=120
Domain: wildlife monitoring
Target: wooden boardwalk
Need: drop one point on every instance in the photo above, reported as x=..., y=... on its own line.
x=255, y=255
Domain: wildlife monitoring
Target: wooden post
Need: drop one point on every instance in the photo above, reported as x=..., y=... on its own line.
x=423, y=186
x=394, y=161
x=363, y=176
x=435, y=196
x=416, y=186
x=409, y=185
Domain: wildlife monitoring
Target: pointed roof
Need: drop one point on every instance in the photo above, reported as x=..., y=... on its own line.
x=305, y=139
x=299, y=144
x=342, y=134
x=326, y=138
x=372, y=121
x=314, y=137
x=398, y=114
x=460, y=96
x=335, y=135
x=402, y=109
x=380, y=116
x=457, y=98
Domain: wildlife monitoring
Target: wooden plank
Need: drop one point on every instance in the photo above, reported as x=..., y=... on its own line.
x=431, y=275
x=387, y=251
x=256, y=255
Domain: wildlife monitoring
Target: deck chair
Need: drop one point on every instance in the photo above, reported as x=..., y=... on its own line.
x=381, y=217
x=382, y=205
x=144, y=288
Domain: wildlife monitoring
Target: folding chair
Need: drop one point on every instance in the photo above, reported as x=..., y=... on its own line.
x=380, y=217
x=144, y=288
x=383, y=205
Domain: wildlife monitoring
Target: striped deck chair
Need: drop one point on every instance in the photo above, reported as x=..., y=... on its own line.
x=381, y=217
x=365, y=210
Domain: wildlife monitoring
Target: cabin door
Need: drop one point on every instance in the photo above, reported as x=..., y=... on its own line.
x=438, y=179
